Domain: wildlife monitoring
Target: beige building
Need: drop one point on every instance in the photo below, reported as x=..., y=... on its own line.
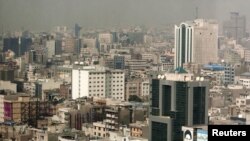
x=138, y=129
x=231, y=56
x=99, y=129
x=243, y=100
x=247, y=55
x=48, y=84
x=105, y=38
x=68, y=45
x=2, y=108
x=7, y=85
x=133, y=87
x=135, y=64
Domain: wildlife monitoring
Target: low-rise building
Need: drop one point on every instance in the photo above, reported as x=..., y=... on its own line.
x=139, y=129
x=99, y=129
x=7, y=85
x=243, y=100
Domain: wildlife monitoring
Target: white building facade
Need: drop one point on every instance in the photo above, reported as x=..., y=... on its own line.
x=145, y=88
x=97, y=82
x=51, y=48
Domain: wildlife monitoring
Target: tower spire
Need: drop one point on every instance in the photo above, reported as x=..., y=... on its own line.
x=196, y=12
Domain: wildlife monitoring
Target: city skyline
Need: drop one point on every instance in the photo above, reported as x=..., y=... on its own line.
x=123, y=70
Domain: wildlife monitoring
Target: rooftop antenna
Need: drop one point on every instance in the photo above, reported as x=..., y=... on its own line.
x=2, y=30
x=196, y=12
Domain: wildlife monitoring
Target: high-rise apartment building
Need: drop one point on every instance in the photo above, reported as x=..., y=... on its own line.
x=176, y=100
x=51, y=48
x=97, y=82
x=196, y=42
x=229, y=74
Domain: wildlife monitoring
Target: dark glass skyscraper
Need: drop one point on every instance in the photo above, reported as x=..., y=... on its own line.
x=176, y=103
x=18, y=46
x=11, y=44
x=58, y=47
x=119, y=62
x=77, y=30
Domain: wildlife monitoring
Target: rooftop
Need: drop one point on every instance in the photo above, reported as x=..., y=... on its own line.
x=213, y=67
x=246, y=74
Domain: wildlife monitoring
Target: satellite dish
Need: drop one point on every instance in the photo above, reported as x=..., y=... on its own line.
x=198, y=78
x=240, y=116
x=202, y=78
x=159, y=76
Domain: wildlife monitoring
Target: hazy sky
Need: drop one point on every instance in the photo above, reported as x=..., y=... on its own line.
x=45, y=14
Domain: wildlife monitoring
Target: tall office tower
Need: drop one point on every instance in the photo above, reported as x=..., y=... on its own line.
x=115, y=36
x=78, y=46
x=77, y=30
x=97, y=82
x=58, y=47
x=26, y=43
x=18, y=45
x=196, y=42
x=1, y=42
x=176, y=100
x=235, y=27
x=11, y=44
x=51, y=48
